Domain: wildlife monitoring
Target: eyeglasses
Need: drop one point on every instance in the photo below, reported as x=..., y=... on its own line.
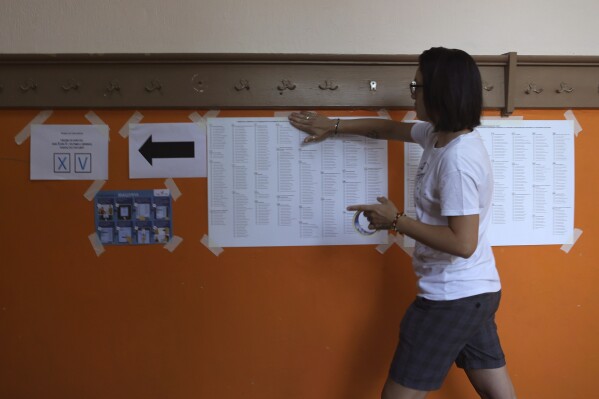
x=413, y=86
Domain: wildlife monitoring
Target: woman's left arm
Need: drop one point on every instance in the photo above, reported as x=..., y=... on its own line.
x=459, y=237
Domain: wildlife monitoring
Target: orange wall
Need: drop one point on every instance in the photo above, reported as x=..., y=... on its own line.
x=255, y=323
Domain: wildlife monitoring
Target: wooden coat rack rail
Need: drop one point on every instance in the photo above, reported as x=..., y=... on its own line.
x=277, y=81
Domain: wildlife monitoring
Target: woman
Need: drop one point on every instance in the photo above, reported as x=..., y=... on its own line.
x=453, y=316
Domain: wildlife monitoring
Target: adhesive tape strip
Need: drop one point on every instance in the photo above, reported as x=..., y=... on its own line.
x=96, y=243
x=135, y=118
x=575, y=236
x=26, y=132
x=283, y=114
x=410, y=116
x=382, y=248
x=93, y=189
x=96, y=121
x=384, y=113
x=213, y=113
x=208, y=244
x=173, y=243
x=170, y=184
x=569, y=115
x=405, y=243
x=203, y=120
x=359, y=227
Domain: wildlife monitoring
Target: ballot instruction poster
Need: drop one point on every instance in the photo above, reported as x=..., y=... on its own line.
x=267, y=188
x=533, y=170
x=69, y=152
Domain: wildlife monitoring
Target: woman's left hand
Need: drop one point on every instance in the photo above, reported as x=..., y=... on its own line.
x=380, y=216
x=319, y=127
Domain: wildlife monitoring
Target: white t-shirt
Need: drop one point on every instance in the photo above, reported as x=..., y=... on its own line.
x=453, y=180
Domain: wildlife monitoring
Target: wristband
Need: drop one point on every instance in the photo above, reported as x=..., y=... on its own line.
x=395, y=220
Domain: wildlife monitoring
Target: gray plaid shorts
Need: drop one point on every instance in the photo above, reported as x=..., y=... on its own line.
x=434, y=334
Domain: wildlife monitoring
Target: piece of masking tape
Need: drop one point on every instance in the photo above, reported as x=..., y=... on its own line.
x=575, y=236
x=203, y=120
x=93, y=189
x=170, y=184
x=405, y=243
x=135, y=118
x=37, y=120
x=283, y=114
x=173, y=243
x=383, y=113
x=382, y=248
x=208, y=244
x=96, y=121
x=96, y=243
x=569, y=115
x=410, y=116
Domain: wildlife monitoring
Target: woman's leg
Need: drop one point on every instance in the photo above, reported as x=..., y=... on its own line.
x=393, y=390
x=492, y=383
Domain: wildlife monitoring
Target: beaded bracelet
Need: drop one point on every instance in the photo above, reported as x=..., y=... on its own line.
x=395, y=220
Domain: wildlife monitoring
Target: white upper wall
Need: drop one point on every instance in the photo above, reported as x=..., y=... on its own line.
x=532, y=27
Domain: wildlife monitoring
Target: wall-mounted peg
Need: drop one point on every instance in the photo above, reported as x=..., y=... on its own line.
x=70, y=85
x=286, y=85
x=373, y=85
x=113, y=87
x=564, y=88
x=328, y=85
x=242, y=85
x=29, y=84
x=197, y=83
x=487, y=86
x=532, y=88
x=154, y=85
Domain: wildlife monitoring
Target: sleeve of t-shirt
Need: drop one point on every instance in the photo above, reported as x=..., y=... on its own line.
x=459, y=194
x=420, y=132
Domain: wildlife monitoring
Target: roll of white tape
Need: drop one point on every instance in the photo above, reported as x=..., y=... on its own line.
x=359, y=222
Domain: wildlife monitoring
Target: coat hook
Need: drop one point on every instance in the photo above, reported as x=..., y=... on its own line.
x=564, y=87
x=242, y=85
x=328, y=85
x=153, y=86
x=287, y=85
x=71, y=85
x=532, y=87
x=487, y=86
x=113, y=87
x=197, y=83
x=373, y=85
x=28, y=85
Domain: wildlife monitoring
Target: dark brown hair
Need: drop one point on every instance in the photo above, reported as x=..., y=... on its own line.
x=452, y=89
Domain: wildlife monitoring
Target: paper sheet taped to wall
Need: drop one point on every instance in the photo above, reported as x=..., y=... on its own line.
x=533, y=170
x=266, y=188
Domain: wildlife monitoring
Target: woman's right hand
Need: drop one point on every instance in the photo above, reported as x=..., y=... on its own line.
x=319, y=127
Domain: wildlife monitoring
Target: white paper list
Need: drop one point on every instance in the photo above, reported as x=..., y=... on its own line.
x=266, y=188
x=533, y=170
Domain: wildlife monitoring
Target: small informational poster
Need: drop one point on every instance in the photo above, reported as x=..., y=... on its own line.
x=69, y=152
x=533, y=170
x=167, y=150
x=134, y=217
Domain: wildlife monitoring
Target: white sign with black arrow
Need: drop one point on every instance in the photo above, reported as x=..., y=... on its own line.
x=167, y=150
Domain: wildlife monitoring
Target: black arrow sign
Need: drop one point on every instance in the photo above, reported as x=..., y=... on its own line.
x=167, y=149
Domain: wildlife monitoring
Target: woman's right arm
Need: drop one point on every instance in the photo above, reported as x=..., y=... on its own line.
x=319, y=127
